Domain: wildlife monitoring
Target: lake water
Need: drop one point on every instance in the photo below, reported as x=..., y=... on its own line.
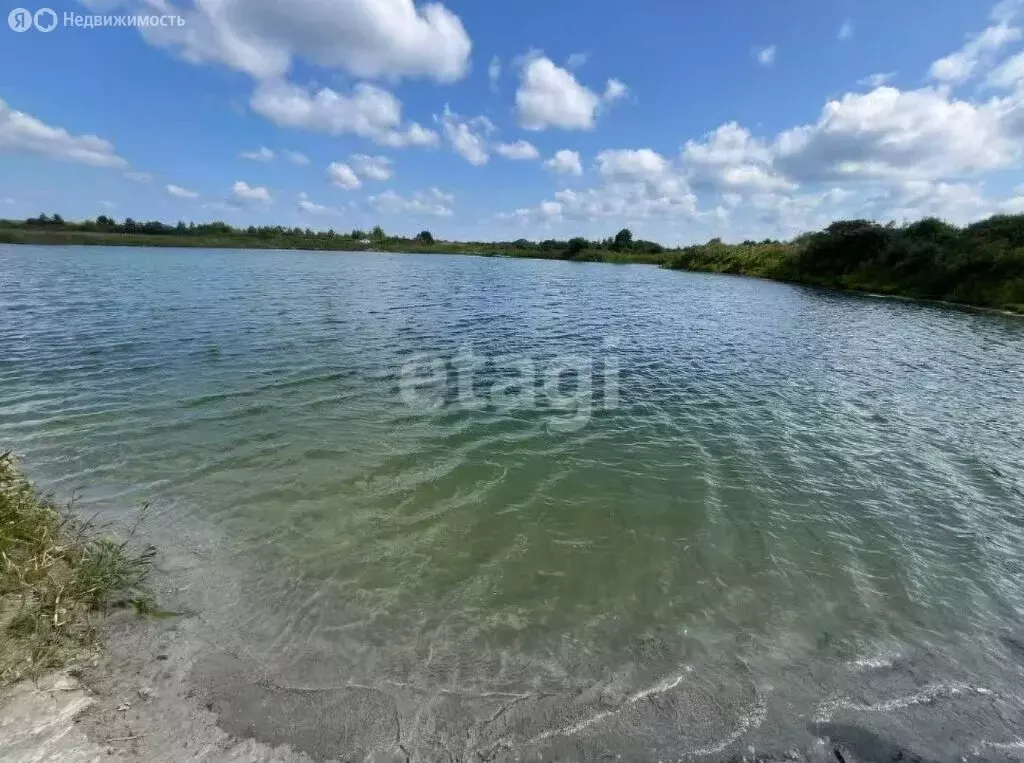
x=511, y=475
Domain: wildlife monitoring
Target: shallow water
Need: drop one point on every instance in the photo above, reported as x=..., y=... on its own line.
x=767, y=479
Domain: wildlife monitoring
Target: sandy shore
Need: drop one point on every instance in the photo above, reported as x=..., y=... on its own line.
x=174, y=690
x=161, y=693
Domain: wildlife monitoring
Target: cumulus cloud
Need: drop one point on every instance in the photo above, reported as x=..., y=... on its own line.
x=368, y=111
x=960, y=66
x=731, y=158
x=889, y=133
x=181, y=193
x=22, y=133
x=467, y=136
x=913, y=199
x=519, y=150
x=766, y=56
x=306, y=205
x=565, y=162
x=296, y=158
x=372, y=167
x=430, y=202
x=263, y=154
x=550, y=96
x=623, y=202
x=629, y=164
x=343, y=176
x=846, y=30
x=365, y=38
x=244, y=193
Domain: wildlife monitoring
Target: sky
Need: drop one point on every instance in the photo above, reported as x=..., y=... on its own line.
x=500, y=120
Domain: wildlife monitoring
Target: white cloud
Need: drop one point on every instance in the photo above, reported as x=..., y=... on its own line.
x=552, y=210
x=296, y=158
x=369, y=112
x=565, y=162
x=617, y=202
x=366, y=38
x=846, y=30
x=893, y=134
x=960, y=66
x=140, y=177
x=639, y=164
x=642, y=166
x=549, y=96
x=912, y=200
x=245, y=193
x=614, y=90
x=876, y=80
x=263, y=154
x=733, y=159
x=521, y=149
x=22, y=133
x=108, y=204
x=305, y=205
x=766, y=56
x=494, y=73
x=181, y=193
x=343, y=176
x=430, y=202
x=467, y=136
x=414, y=135
x=1009, y=74
x=372, y=167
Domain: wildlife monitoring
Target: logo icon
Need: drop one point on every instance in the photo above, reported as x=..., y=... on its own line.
x=20, y=20
x=45, y=20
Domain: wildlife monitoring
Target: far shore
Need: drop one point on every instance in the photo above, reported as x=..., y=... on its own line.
x=979, y=266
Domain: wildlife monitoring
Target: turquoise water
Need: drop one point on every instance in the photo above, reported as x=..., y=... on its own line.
x=710, y=470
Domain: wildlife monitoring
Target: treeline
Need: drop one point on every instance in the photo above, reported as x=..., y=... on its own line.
x=981, y=264
x=207, y=234
x=107, y=230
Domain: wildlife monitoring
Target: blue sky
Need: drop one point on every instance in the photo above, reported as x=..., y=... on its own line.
x=683, y=121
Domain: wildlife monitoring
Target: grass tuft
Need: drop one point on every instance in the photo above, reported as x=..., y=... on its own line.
x=58, y=575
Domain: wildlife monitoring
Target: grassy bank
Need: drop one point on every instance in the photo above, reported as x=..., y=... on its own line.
x=58, y=575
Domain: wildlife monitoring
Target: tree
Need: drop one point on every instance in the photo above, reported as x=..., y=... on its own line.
x=425, y=237
x=377, y=235
x=576, y=245
x=623, y=240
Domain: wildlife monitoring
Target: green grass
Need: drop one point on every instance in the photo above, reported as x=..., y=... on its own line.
x=58, y=575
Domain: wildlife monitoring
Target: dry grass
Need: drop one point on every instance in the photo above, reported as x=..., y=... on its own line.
x=58, y=575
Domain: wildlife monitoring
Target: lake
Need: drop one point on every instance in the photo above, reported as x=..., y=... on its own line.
x=466, y=474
